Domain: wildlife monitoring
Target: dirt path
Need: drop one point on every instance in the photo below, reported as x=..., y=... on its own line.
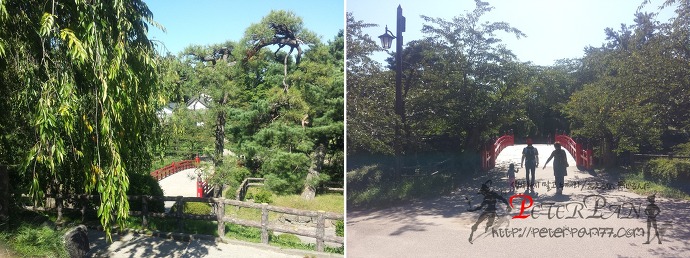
x=558, y=225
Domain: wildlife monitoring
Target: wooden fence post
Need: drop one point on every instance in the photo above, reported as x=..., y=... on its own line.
x=144, y=212
x=83, y=201
x=220, y=214
x=264, y=223
x=320, y=231
x=58, y=206
x=180, y=211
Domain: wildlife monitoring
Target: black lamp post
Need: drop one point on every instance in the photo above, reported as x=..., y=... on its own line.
x=386, y=40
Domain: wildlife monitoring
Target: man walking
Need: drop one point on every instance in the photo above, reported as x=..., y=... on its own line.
x=530, y=159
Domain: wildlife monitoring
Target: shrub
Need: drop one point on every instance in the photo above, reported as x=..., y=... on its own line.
x=261, y=196
x=340, y=228
x=145, y=185
x=668, y=171
x=196, y=208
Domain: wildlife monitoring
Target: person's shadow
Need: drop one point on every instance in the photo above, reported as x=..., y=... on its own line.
x=652, y=211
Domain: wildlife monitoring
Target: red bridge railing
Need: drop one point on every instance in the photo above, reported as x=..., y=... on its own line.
x=584, y=157
x=491, y=151
x=173, y=168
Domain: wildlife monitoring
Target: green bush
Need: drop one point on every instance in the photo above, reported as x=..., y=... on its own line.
x=145, y=185
x=195, y=208
x=340, y=228
x=668, y=171
x=260, y=196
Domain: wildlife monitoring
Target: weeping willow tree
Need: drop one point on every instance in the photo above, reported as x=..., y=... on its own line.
x=80, y=93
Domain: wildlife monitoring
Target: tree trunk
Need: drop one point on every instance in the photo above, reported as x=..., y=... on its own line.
x=608, y=157
x=309, y=191
x=220, y=140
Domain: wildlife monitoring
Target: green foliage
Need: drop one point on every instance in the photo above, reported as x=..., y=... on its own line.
x=369, y=97
x=668, y=171
x=649, y=187
x=273, y=127
x=340, y=228
x=330, y=202
x=197, y=208
x=373, y=186
x=36, y=241
x=682, y=149
x=632, y=95
x=243, y=233
x=145, y=185
x=461, y=87
x=262, y=32
x=80, y=92
x=261, y=196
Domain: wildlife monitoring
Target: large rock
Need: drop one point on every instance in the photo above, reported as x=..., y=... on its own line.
x=77, y=242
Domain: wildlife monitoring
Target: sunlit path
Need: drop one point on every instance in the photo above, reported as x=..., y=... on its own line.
x=440, y=227
x=182, y=183
x=513, y=154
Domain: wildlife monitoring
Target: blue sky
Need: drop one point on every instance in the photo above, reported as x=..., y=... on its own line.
x=555, y=29
x=205, y=22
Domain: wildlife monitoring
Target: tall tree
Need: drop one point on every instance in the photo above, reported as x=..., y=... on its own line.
x=370, y=117
x=81, y=77
x=478, y=69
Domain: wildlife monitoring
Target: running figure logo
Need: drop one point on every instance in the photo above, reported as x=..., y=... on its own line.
x=490, y=198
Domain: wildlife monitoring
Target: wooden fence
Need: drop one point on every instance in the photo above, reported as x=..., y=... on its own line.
x=244, y=186
x=219, y=216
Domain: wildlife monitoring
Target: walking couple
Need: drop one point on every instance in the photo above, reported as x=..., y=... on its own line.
x=530, y=159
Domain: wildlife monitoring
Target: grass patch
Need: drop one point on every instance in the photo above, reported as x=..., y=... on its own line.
x=30, y=234
x=243, y=233
x=651, y=187
x=330, y=202
x=373, y=186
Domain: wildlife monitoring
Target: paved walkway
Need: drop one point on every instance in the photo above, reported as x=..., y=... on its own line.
x=441, y=227
x=134, y=245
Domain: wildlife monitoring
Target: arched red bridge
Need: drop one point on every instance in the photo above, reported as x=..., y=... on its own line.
x=170, y=173
x=584, y=157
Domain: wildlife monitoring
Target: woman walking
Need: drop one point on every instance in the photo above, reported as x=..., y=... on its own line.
x=560, y=165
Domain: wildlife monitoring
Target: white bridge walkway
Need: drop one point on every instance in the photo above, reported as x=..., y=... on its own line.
x=182, y=183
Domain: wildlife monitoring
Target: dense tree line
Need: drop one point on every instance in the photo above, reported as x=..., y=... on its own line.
x=462, y=87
